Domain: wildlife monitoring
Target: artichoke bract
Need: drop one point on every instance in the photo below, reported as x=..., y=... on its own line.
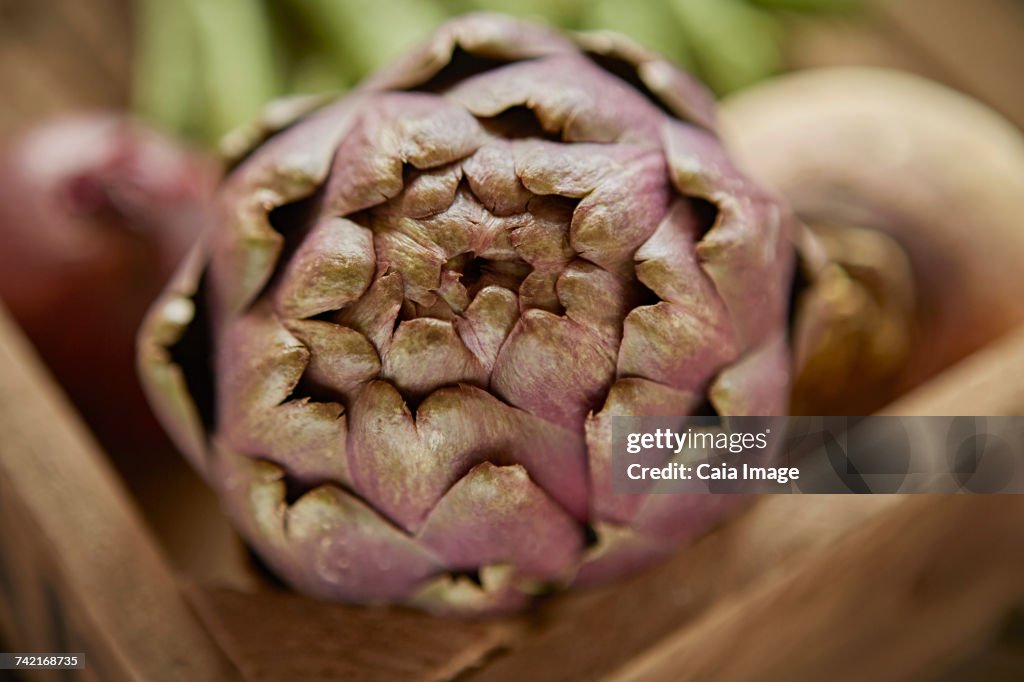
x=398, y=356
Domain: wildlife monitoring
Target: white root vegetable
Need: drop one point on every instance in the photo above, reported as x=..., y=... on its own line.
x=917, y=191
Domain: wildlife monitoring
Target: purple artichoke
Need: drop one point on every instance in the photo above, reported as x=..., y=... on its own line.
x=398, y=355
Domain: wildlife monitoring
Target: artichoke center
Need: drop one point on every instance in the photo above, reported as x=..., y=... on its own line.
x=464, y=275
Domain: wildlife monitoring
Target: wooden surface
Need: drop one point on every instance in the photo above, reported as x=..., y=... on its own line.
x=1004, y=660
x=902, y=598
x=990, y=382
x=278, y=636
x=82, y=572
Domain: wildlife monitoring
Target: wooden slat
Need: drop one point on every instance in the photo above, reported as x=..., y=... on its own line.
x=277, y=636
x=1004, y=661
x=901, y=598
x=78, y=534
x=989, y=383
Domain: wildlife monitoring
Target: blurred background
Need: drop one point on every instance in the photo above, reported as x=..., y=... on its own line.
x=199, y=68
x=195, y=69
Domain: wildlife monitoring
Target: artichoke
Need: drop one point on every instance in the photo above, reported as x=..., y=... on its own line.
x=398, y=354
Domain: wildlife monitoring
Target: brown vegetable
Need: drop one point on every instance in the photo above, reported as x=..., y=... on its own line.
x=916, y=192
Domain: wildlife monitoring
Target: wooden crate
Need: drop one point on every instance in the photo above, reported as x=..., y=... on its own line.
x=795, y=588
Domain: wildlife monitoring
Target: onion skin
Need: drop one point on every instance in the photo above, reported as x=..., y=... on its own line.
x=96, y=211
x=876, y=162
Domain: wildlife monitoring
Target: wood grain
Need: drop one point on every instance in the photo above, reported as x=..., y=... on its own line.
x=78, y=550
x=276, y=635
x=901, y=598
x=989, y=382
